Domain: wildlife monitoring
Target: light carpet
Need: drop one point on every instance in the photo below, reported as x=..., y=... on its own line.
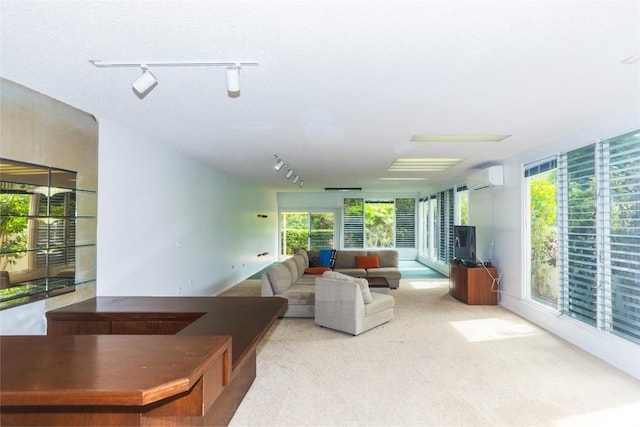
x=439, y=362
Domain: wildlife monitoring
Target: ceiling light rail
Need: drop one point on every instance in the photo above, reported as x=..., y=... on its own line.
x=280, y=164
x=138, y=64
x=147, y=81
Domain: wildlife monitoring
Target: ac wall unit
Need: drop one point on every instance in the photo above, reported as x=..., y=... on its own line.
x=485, y=178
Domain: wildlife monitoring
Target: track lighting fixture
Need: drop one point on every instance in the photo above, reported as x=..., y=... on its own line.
x=147, y=81
x=290, y=173
x=279, y=163
x=233, y=79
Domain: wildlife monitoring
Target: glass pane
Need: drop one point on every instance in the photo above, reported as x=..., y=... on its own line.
x=379, y=223
x=322, y=226
x=294, y=232
x=543, y=232
x=463, y=201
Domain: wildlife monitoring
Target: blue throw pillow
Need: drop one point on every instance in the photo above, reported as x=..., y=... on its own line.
x=327, y=257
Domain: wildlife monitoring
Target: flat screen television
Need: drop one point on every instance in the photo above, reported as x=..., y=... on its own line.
x=464, y=237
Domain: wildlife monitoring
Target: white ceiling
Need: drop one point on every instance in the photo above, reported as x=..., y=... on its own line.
x=342, y=86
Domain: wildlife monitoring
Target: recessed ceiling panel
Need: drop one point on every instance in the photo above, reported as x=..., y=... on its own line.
x=459, y=138
x=423, y=165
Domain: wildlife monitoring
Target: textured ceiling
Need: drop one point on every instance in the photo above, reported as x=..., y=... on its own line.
x=342, y=86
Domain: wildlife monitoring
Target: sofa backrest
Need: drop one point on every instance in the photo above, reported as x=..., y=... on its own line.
x=301, y=264
x=280, y=278
x=347, y=258
x=387, y=257
x=293, y=268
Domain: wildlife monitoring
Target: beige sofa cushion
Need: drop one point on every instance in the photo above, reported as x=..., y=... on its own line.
x=301, y=264
x=301, y=294
x=364, y=285
x=347, y=258
x=293, y=268
x=387, y=258
x=280, y=278
x=305, y=255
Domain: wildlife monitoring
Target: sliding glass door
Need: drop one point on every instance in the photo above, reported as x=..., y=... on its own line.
x=306, y=230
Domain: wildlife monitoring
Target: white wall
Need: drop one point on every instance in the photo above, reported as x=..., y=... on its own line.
x=334, y=201
x=173, y=225
x=503, y=223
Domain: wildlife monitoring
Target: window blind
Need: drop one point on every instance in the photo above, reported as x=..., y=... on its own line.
x=445, y=213
x=577, y=227
x=442, y=226
x=599, y=232
x=405, y=223
x=620, y=222
x=546, y=165
x=353, y=223
x=450, y=221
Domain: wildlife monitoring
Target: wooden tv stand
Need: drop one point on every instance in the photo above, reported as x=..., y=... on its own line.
x=473, y=285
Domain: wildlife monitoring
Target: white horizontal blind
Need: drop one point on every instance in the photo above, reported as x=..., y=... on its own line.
x=579, y=229
x=599, y=234
x=405, y=222
x=353, y=223
x=620, y=206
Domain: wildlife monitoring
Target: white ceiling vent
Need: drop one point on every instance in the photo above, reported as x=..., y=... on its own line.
x=485, y=178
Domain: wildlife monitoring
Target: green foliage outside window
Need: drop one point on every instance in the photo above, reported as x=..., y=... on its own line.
x=544, y=245
x=306, y=231
x=379, y=224
x=13, y=227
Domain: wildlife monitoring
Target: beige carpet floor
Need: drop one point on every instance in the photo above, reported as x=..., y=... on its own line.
x=437, y=363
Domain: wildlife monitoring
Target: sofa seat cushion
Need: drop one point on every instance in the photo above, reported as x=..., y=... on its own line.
x=353, y=272
x=306, y=279
x=280, y=278
x=316, y=270
x=386, y=272
x=381, y=302
x=300, y=295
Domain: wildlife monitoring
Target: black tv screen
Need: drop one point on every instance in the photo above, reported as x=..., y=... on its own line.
x=464, y=237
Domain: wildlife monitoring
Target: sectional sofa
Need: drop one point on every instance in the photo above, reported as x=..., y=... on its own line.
x=294, y=279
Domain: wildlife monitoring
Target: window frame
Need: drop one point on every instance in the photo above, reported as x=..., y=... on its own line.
x=598, y=205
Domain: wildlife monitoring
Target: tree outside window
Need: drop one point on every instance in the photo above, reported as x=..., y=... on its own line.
x=543, y=236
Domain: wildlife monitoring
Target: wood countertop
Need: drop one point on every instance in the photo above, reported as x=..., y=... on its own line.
x=136, y=361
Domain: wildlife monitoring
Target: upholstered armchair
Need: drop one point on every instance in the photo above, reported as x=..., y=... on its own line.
x=345, y=303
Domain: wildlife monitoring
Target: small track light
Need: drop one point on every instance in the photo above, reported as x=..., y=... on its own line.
x=233, y=79
x=147, y=81
x=289, y=174
x=279, y=165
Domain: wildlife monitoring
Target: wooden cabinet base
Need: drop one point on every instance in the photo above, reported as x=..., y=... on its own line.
x=473, y=286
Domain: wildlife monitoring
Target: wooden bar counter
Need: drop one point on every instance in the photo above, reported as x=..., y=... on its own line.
x=136, y=361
